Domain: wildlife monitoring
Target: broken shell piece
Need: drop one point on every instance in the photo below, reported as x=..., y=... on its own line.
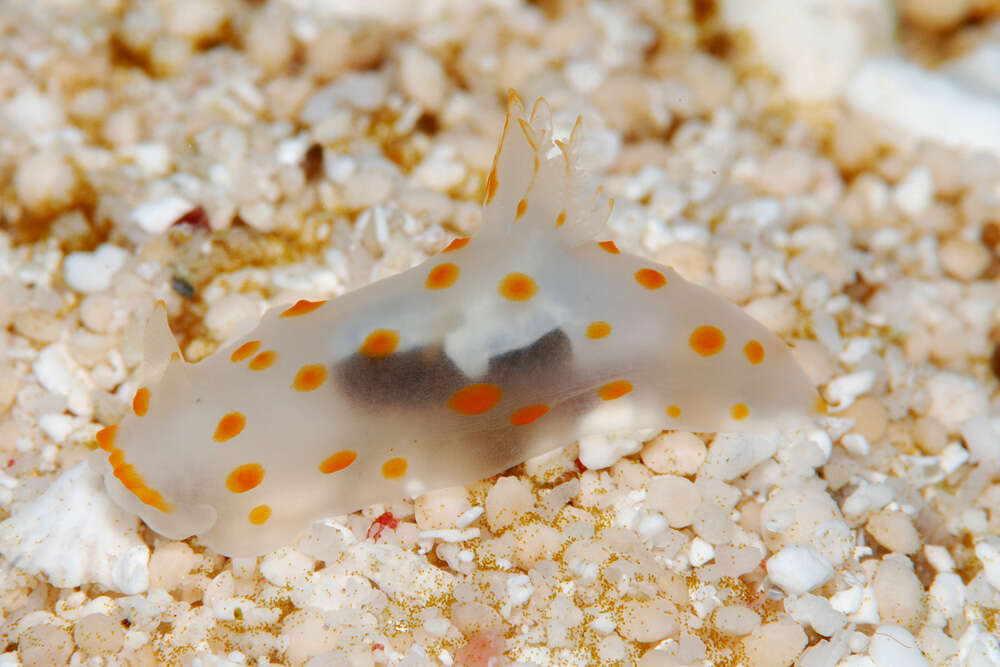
x=74, y=534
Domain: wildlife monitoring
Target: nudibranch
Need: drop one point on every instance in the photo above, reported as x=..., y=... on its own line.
x=525, y=337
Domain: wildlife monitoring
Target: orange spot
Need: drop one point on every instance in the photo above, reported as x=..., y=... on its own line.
x=522, y=207
x=259, y=515
x=820, y=406
x=263, y=361
x=754, y=352
x=338, y=461
x=442, y=276
x=106, y=437
x=491, y=184
x=245, y=477
x=245, y=351
x=528, y=414
x=128, y=476
x=598, y=329
x=152, y=498
x=707, y=340
x=560, y=219
x=613, y=390
x=302, y=307
x=518, y=287
x=609, y=246
x=133, y=481
x=650, y=278
x=230, y=426
x=673, y=411
x=380, y=343
x=394, y=468
x=309, y=377
x=457, y=244
x=140, y=402
x=739, y=411
x=475, y=399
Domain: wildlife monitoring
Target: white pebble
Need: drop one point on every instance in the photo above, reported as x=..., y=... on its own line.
x=45, y=181
x=677, y=452
x=898, y=591
x=651, y=526
x=338, y=168
x=169, y=564
x=955, y=398
x=915, y=192
x=817, y=612
x=893, y=646
x=232, y=315
x=963, y=259
x=366, y=92
x=849, y=600
x=285, y=566
x=450, y=535
x=439, y=171
x=732, y=455
x=603, y=451
x=843, y=390
x=946, y=598
x=98, y=633
x=422, y=77
x=982, y=440
x=404, y=576
x=676, y=497
x=58, y=426
x=939, y=557
x=867, y=611
x=895, y=531
x=775, y=644
x=443, y=508
x=798, y=569
x=700, y=552
x=152, y=157
x=467, y=517
x=290, y=151
x=736, y=620
x=364, y=189
x=90, y=272
x=777, y=313
x=988, y=553
x=60, y=374
x=156, y=216
x=952, y=457
x=856, y=444
x=519, y=591
x=867, y=498
x=32, y=112
x=737, y=561
x=259, y=215
x=196, y=19
x=648, y=620
x=507, y=501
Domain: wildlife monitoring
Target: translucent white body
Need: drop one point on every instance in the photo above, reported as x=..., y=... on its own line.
x=534, y=336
